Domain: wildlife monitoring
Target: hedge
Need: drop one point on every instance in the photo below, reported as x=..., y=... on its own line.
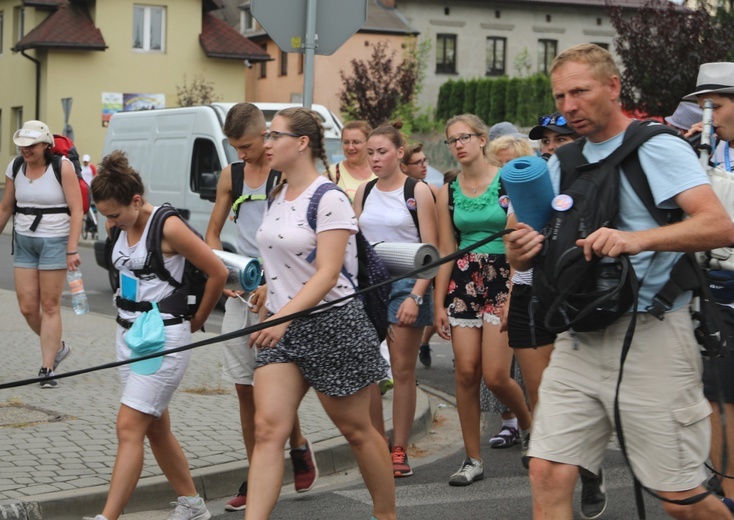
x=519, y=100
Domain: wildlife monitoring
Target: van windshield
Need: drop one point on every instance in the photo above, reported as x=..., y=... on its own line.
x=334, y=152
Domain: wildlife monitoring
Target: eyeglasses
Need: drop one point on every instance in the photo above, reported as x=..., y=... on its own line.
x=464, y=138
x=420, y=162
x=552, y=120
x=277, y=135
x=353, y=143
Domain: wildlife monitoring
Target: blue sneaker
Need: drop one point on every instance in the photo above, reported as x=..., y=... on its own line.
x=728, y=502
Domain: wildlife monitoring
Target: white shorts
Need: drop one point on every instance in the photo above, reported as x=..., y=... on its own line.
x=152, y=393
x=238, y=360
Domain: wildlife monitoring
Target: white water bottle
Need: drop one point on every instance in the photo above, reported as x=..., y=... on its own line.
x=79, y=301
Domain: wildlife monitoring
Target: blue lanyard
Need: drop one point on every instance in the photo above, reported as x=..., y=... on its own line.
x=727, y=158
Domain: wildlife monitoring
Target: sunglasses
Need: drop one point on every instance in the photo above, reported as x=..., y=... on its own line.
x=558, y=120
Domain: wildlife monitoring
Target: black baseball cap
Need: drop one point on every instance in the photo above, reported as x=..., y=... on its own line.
x=554, y=122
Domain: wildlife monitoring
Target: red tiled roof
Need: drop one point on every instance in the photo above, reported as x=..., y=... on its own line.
x=219, y=40
x=69, y=27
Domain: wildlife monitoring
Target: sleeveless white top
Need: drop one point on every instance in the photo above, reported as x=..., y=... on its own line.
x=126, y=257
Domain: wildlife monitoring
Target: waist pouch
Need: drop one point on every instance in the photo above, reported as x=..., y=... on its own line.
x=721, y=284
x=175, y=304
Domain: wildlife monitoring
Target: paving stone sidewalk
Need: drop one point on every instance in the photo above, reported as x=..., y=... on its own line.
x=57, y=446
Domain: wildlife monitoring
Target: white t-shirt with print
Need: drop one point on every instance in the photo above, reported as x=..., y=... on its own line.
x=285, y=240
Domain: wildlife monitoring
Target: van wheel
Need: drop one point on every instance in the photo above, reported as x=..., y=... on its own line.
x=114, y=279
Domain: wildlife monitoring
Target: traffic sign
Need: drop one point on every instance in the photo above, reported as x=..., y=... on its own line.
x=285, y=22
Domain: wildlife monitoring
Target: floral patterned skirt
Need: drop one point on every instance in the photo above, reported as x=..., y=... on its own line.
x=478, y=290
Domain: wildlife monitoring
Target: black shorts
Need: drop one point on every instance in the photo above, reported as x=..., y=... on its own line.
x=721, y=368
x=519, y=330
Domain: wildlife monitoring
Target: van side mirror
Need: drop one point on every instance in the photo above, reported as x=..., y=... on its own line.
x=208, y=186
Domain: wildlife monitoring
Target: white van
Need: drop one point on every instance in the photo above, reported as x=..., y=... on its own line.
x=180, y=152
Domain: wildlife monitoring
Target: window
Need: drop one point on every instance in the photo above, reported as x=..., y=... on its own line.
x=283, y=63
x=603, y=45
x=264, y=64
x=149, y=28
x=20, y=23
x=445, y=53
x=301, y=61
x=205, y=168
x=247, y=21
x=2, y=33
x=495, y=56
x=547, y=50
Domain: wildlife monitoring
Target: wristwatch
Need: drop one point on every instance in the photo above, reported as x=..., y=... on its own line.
x=418, y=299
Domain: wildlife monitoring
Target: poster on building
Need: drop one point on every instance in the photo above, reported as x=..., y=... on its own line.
x=113, y=102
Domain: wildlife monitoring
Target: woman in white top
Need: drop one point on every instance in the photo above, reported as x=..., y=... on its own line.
x=45, y=245
x=148, y=388
x=385, y=216
x=354, y=169
x=335, y=350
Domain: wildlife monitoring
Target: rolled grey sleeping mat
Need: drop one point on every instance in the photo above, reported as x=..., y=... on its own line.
x=402, y=258
x=244, y=272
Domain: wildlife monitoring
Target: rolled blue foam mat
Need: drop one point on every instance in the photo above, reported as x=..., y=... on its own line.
x=528, y=184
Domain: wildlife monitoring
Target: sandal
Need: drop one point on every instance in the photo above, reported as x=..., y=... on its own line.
x=506, y=438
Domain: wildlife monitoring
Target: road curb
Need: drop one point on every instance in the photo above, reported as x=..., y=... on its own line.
x=215, y=482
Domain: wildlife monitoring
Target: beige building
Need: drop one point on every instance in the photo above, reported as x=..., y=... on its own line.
x=107, y=56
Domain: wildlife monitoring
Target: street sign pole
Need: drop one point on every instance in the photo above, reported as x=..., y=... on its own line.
x=329, y=23
x=310, y=57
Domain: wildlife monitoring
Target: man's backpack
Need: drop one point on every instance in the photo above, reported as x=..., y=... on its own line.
x=238, y=180
x=408, y=195
x=372, y=269
x=186, y=298
x=63, y=146
x=570, y=292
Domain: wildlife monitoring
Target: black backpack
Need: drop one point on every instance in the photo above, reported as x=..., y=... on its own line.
x=570, y=292
x=238, y=179
x=186, y=298
x=372, y=269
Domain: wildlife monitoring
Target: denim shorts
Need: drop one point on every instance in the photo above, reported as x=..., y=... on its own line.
x=399, y=292
x=45, y=254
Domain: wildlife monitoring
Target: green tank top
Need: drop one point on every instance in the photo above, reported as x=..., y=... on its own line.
x=479, y=217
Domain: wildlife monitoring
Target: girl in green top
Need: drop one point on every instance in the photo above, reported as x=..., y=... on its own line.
x=471, y=292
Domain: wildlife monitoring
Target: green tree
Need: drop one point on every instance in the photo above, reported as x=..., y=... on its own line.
x=443, y=107
x=497, y=101
x=470, y=97
x=522, y=63
x=456, y=103
x=484, y=90
x=661, y=47
x=512, y=101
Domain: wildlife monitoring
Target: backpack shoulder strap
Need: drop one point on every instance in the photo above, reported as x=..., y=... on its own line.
x=570, y=157
x=457, y=233
x=112, y=236
x=17, y=164
x=56, y=165
x=237, y=172
x=273, y=180
x=409, y=193
x=313, y=204
x=154, y=258
x=367, y=189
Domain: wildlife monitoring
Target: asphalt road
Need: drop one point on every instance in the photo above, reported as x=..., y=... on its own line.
x=503, y=494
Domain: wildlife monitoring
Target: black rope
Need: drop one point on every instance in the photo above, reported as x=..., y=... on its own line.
x=264, y=325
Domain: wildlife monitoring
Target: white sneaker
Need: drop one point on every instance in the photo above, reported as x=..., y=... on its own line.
x=61, y=355
x=470, y=471
x=185, y=510
x=98, y=517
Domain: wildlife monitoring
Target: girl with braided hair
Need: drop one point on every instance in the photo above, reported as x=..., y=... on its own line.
x=334, y=350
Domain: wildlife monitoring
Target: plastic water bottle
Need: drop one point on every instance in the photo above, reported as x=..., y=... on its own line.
x=79, y=301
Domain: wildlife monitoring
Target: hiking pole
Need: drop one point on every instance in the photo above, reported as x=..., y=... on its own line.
x=705, y=148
